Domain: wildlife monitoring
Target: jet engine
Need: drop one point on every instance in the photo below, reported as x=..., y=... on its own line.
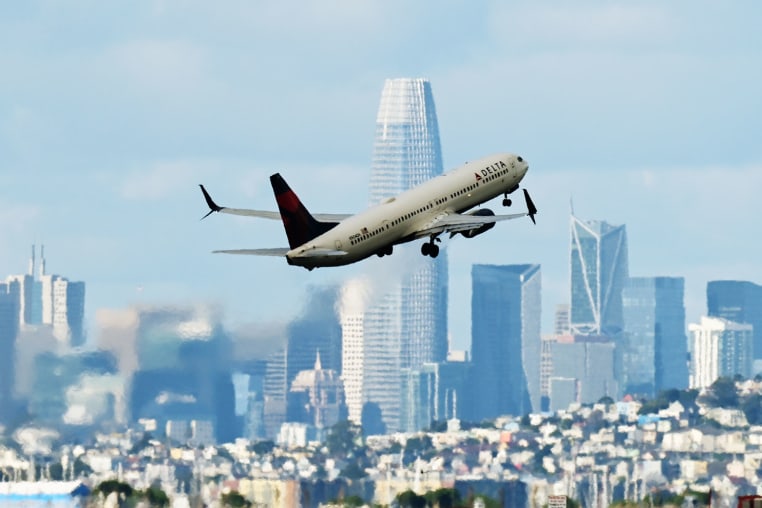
x=482, y=212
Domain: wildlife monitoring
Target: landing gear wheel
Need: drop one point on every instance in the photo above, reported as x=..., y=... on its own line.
x=388, y=250
x=507, y=202
x=430, y=249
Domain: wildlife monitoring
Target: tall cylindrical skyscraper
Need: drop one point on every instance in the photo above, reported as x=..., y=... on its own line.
x=405, y=326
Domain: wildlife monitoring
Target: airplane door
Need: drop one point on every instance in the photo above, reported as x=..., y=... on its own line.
x=338, y=244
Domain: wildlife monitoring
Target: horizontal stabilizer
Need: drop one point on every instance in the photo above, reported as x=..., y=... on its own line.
x=280, y=251
x=319, y=253
x=263, y=214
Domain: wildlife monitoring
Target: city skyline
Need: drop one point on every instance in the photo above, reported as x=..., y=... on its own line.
x=106, y=132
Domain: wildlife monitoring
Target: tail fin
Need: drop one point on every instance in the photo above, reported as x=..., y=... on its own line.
x=301, y=227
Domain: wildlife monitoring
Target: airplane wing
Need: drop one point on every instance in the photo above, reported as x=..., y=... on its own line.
x=264, y=214
x=459, y=222
x=456, y=222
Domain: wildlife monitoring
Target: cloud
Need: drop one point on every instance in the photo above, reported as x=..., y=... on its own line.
x=18, y=218
x=163, y=179
x=166, y=71
x=596, y=24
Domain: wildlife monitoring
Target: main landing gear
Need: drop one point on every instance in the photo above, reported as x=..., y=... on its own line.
x=386, y=251
x=430, y=248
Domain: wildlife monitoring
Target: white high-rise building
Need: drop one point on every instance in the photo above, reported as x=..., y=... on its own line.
x=719, y=348
x=47, y=299
x=68, y=310
x=352, y=346
x=413, y=312
x=405, y=325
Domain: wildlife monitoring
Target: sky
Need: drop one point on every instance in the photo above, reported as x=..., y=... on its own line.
x=647, y=114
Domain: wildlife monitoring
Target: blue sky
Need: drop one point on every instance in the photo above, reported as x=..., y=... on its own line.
x=646, y=113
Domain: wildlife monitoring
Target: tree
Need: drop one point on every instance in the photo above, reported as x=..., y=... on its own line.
x=353, y=471
x=438, y=426
x=123, y=491
x=155, y=496
x=443, y=498
x=343, y=438
x=234, y=499
x=415, y=447
x=349, y=502
x=752, y=408
x=722, y=393
x=143, y=443
x=108, y=486
x=410, y=499
x=56, y=471
x=263, y=447
x=81, y=468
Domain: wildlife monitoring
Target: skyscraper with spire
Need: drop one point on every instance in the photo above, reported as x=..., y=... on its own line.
x=48, y=299
x=599, y=270
x=406, y=325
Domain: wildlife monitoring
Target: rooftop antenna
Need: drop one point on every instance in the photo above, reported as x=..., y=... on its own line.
x=42, y=260
x=31, y=263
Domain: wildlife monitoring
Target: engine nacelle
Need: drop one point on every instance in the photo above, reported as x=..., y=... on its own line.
x=481, y=212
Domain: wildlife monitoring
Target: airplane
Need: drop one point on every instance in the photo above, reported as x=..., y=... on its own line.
x=435, y=207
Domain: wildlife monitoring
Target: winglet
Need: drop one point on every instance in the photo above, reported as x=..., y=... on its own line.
x=531, y=209
x=213, y=207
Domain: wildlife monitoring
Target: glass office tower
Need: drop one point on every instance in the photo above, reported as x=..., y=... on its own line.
x=9, y=324
x=739, y=301
x=505, y=340
x=407, y=326
x=656, y=348
x=598, y=273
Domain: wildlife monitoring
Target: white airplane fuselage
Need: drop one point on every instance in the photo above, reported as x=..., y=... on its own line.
x=396, y=220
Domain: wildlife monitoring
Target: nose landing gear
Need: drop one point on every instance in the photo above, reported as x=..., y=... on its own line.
x=506, y=200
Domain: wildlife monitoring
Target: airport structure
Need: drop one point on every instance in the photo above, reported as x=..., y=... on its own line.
x=599, y=270
x=505, y=340
x=655, y=355
x=405, y=325
x=738, y=301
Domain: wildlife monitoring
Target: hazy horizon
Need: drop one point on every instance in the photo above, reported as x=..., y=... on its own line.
x=110, y=116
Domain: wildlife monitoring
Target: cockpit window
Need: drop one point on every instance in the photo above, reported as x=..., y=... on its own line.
x=520, y=159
